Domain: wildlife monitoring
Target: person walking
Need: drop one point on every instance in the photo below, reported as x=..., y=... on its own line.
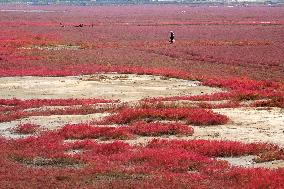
x=172, y=37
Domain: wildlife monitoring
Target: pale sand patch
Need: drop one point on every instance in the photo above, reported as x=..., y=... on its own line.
x=247, y=125
x=126, y=87
x=53, y=47
x=97, y=106
x=247, y=161
x=47, y=123
x=250, y=125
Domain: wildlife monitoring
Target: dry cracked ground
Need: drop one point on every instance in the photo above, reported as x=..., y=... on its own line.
x=246, y=124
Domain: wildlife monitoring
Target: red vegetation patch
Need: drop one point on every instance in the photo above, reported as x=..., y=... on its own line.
x=244, y=84
x=16, y=104
x=270, y=97
x=87, y=131
x=27, y=128
x=192, y=116
x=274, y=102
x=219, y=148
x=161, y=163
x=156, y=129
x=81, y=131
x=13, y=115
x=13, y=109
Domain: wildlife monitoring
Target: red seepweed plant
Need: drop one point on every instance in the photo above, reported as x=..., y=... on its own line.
x=192, y=116
x=27, y=128
x=15, y=108
x=156, y=129
x=84, y=131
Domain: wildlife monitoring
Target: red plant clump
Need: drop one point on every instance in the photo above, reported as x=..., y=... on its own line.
x=96, y=68
x=277, y=101
x=219, y=148
x=237, y=95
x=27, y=128
x=172, y=160
x=72, y=110
x=243, y=84
x=34, y=103
x=156, y=129
x=88, y=131
x=10, y=116
x=13, y=109
x=192, y=116
x=47, y=144
x=83, y=131
x=270, y=97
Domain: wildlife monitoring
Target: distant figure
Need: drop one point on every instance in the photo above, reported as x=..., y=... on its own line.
x=172, y=37
x=61, y=24
x=79, y=26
